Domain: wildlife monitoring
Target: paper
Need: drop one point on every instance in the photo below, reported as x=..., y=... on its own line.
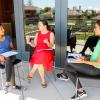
x=71, y=60
x=75, y=55
x=72, y=57
x=9, y=53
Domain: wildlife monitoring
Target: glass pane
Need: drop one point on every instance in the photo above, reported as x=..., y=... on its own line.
x=82, y=15
x=35, y=10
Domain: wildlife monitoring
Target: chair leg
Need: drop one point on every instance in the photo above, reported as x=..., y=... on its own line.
x=54, y=75
x=77, y=85
x=29, y=69
x=1, y=78
x=20, y=83
x=23, y=70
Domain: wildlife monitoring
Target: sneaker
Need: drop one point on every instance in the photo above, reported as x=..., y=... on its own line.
x=17, y=87
x=79, y=95
x=6, y=88
x=63, y=77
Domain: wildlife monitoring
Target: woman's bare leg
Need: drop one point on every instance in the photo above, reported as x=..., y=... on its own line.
x=33, y=70
x=42, y=73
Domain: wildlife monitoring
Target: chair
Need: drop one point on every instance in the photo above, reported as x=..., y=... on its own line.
x=31, y=50
x=2, y=67
x=1, y=74
x=17, y=61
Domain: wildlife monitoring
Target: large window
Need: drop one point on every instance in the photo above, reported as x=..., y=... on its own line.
x=82, y=15
x=35, y=10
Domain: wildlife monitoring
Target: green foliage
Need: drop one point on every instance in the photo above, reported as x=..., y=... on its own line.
x=83, y=35
x=47, y=9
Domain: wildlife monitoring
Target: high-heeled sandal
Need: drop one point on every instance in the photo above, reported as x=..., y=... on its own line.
x=44, y=85
x=29, y=77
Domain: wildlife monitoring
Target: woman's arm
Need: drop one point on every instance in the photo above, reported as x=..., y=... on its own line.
x=2, y=59
x=35, y=40
x=34, y=43
x=11, y=45
x=52, y=40
x=93, y=63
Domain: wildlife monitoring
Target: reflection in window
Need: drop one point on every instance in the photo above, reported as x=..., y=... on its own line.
x=35, y=10
x=82, y=15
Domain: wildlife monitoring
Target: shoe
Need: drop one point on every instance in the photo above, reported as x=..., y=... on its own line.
x=17, y=87
x=29, y=77
x=6, y=88
x=63, y=77
x=83, y=54
x=79, y=95
x=44, y=85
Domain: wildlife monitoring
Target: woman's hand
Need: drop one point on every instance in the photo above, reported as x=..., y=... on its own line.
x=81, y=60
x=27, y=39
x=32, y=43
x=2, y=59
x=46, y=41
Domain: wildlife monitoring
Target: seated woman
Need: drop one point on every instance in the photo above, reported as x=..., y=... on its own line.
x=42, y=57
x=89, y=67
x=7, y=45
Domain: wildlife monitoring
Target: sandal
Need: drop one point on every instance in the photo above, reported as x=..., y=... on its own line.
x=44, y=85
x=29, y=77
x=6, y=88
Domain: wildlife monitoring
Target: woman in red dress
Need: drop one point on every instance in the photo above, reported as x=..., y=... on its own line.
x=42, y=57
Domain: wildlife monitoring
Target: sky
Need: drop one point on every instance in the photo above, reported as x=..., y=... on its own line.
x=42, y=3
x=90, y=4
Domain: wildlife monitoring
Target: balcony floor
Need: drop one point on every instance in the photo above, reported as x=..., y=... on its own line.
x=59, y=90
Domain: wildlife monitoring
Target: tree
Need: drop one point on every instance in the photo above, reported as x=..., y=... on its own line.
x=93, y=13
x=47, y=9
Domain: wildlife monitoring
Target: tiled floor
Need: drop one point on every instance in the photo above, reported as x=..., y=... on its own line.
x=59, y=90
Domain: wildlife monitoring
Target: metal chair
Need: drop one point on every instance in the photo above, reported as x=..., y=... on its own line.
x=16, y=62
x=2, y=67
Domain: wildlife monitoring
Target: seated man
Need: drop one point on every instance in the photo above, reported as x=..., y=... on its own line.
x=91, y=43
x=7, y=45
x=89, y=67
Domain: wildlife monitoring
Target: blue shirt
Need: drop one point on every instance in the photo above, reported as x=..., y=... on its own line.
x=5, y=45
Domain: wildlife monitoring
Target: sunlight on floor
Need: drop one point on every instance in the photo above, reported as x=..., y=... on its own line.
x=9, y=96
x=12, y=96
x=30, y=98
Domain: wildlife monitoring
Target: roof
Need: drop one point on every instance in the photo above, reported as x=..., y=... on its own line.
x=96, y=18
x=31, y=8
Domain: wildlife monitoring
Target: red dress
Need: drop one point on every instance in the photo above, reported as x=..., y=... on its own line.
x=42, y=53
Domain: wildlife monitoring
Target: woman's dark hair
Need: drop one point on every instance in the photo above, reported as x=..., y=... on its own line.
x=0, y=24
x=98, y=22
x=44, y=23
